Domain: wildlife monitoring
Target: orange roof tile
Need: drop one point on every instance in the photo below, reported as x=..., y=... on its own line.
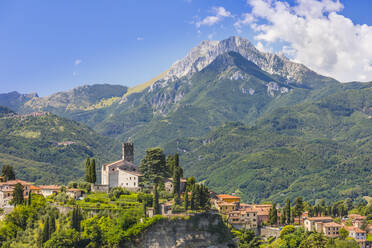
x=50, y=187
x=332, y=224
x=14, y=182
x=223, y=196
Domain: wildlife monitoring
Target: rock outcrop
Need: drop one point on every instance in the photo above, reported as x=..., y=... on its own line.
x=204, y=230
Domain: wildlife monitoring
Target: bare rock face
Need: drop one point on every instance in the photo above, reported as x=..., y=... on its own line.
x=203, y=54
x=204, y=230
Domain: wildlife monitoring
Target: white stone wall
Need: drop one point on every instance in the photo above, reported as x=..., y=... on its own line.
x=127, y=180
x=113, y=178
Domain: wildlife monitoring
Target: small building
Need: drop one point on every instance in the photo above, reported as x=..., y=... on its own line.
x=312, y=224
x=47, y=190
x=150, y=212
x=166, y=208
x=168, y=184
x=243, y=219
x=225, y=207
x=122, y=173
x=356, y=233
x=229, y=198
x=74, y=193
x=35, y=189
x=7, y=188
x=331, y=229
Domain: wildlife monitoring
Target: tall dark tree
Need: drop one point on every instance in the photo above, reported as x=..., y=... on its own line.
x=193, y=198
x=8, y=173
x=177, y=173
x=45, y=235
x=273, y=215
x=283, y=218
x=18, y=194
x=52, y=225
x=287, y=210
x=93, y=173
x=153, y=166
x=186, y=198
x=29, y=200
x=87, y=170
x=155, y=202
x=299, y=208
x=76, y=218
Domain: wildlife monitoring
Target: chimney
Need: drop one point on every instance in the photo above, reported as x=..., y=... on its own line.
x=128, y=152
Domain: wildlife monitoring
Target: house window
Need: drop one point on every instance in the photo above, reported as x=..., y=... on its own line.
x=127, y=184
x=134, y=184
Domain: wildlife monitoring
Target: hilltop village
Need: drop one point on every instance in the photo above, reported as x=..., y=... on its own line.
x=139, y=196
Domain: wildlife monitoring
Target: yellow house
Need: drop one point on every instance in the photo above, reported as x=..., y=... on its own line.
x=229, y=198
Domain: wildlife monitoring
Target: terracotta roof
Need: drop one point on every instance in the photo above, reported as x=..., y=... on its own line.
x=14, y=182
x=33, y=187
x=332, y=224
x=50, y=187
x=222, y=196
x=357, y=216
x=320, y=218
x=355, y=229
x=121, y=162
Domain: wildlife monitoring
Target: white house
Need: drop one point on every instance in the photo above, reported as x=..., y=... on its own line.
x=122, y=173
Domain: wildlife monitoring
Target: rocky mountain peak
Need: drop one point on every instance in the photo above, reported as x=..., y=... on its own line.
x=203, y=54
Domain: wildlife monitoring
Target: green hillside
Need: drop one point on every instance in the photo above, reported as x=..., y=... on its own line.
x=316, y=150
x=231, y=88
x=38, y=143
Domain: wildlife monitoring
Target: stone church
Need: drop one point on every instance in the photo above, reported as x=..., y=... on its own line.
x=122, y=173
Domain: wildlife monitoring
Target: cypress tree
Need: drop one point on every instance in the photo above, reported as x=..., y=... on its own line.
x=76, y=219
x=29, y=199
x=283, y=217
x=299, y=208
x=273, y=215
x=177, y=181
x=18, y=194
x=186, y=200
x=52, y=225
x=192, y=201
x=155, y=202
x=288, y=211
x=87, y=170
x=93, y=174
x=45, y=233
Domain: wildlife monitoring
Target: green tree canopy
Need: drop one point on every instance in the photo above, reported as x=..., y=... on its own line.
x=153, y=165
x=18, y=194
x=8, y=173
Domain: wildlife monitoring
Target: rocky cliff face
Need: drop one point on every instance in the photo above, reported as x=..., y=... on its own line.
x=204, y=230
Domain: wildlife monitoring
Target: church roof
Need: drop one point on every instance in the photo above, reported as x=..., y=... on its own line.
x=123, y=165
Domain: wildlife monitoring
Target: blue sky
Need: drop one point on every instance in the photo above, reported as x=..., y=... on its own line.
x=48, y=46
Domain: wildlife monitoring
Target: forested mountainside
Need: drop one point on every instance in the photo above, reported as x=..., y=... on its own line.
x=50, y=149
x=242, y=120
x=319, y=149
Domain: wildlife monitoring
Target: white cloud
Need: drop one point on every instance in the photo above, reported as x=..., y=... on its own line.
x=140, y=38
x=315, y=34
x=77, y=62
x=219, y=14
x=246, y=19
